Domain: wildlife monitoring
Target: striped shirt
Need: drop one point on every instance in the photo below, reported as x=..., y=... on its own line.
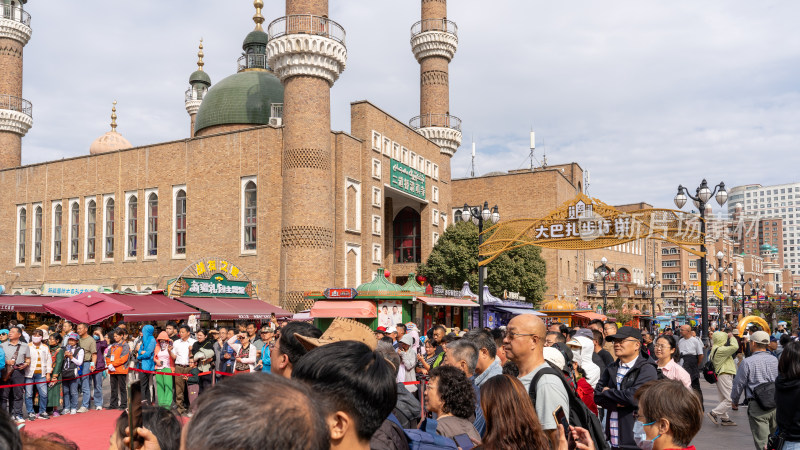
x=613, y=418
x=760, y=367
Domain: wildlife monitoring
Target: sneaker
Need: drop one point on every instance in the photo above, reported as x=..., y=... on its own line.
x=82, y=410
x=728, y=423
x=98, y=408
x=42, y=416
x=714, y=418
x=31, y=416
x=55, y=414
x=18, y=420
x=73, y=412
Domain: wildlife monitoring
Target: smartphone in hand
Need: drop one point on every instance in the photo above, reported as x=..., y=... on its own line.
x=135, y=414
x=561, y=418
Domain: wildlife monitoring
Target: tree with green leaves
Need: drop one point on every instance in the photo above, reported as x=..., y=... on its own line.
x=454, y=260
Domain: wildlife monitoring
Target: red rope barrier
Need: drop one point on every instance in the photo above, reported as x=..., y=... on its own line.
x=51, y=381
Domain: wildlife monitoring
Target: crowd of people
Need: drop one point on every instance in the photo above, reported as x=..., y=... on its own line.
x=515, y=387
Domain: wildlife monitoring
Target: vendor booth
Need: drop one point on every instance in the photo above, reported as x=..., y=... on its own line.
x=497, y=311
x=383, y=303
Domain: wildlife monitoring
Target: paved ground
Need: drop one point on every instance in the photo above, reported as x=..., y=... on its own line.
x=718, y=437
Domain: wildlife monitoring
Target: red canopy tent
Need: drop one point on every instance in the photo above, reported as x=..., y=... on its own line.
x=89, y=307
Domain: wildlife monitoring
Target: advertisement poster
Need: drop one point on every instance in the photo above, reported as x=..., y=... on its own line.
x=390, y=313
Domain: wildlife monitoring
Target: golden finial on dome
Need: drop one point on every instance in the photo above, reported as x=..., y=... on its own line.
x=258, y=18
x=200, y=55
x=114, y=116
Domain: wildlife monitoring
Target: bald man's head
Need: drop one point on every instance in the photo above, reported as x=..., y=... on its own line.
x=529, y=323
x=524, y=341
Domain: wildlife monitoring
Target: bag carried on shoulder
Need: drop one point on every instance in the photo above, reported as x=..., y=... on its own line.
x=428, y=439
x=10, y=368
x=579, y=414
x=708, y=370
x=764, y=394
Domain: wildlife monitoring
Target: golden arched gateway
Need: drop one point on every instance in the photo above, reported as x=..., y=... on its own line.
x=584, y=223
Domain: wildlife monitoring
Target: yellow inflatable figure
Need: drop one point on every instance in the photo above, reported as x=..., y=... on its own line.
x=755, y=319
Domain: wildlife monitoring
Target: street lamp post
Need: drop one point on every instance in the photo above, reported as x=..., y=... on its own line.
x=605, y=275
x=478, y=216
x=652, y=283
x=721, y=270
x=702, y=195
x=741, y=283
x=684, y=291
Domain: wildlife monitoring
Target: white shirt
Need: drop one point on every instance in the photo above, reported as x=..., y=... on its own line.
x=182, y=350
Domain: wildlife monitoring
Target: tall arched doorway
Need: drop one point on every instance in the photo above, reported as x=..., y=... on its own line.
x=407, y=241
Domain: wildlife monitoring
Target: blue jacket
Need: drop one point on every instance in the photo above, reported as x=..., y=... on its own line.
x=266, y=362
x=147, y=348
x=2, y=359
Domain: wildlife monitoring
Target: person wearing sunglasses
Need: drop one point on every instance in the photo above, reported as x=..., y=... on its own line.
x=618, y=384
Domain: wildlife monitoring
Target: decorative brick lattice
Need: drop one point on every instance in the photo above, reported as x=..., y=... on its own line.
x=306, y=158
x=434, y=77
x=296, y=302
x=307, y=236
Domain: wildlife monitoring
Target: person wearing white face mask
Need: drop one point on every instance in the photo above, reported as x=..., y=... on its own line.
x=669, y=416
x=38, y=372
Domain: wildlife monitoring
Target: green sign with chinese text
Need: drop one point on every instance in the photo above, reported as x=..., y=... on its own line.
x=408, y=180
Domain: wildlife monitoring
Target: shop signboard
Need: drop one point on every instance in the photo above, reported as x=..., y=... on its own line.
x=68, y=290
x=340, y=293
x=441, y=291
x=212, y=277
x=408, y=180
x=216, y=286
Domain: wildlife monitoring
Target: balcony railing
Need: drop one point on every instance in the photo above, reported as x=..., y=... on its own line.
x=17, y=14
x=306, y=24
x=447, y=26
x=276, y=110
x=16, y=104
x=252, y=61
x=195, y=94
x=435, y=120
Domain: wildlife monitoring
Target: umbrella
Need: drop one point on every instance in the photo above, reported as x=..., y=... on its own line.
x=89, y=307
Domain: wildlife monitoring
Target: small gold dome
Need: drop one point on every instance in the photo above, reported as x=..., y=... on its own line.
x=558, y=304
x=112, y=140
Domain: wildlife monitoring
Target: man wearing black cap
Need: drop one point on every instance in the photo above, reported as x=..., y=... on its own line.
x=618, y=384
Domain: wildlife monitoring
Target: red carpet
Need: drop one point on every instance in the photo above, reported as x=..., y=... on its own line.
x=90, y=430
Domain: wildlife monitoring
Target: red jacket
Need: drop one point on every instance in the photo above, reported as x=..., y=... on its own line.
x=586, y=394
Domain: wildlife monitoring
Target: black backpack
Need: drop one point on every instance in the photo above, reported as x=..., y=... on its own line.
x=579, y=414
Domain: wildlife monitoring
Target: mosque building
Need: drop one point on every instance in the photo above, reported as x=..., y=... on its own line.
x=261, y=183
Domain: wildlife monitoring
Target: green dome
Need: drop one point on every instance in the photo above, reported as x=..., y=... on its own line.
x=256, y=37
x=412, y=285
x=242, y=98
x=379, y=284
x=198, y=76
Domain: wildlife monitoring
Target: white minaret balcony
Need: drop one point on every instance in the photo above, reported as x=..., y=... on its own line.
x=16, y=115
x=15, y=23
x=434, y=37
x=306, y=45
x=194, y=97
x=443, y=130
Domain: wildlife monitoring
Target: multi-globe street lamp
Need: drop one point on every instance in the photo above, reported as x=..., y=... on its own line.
x=702, y=195
x=479, y=216
x=684, y=290
x=605, y=275
x=721, y=270
x=741, y=282
x=652, y=283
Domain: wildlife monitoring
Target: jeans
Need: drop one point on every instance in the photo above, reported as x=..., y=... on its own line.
x=70, y=395
x=97, y=383
x=86, y=390
x=791, y=445
x=42, y=388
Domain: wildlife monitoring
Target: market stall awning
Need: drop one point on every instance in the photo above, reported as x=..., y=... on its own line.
x=517, y=310
x=442, y=301
x=355, y=309
x=89, y=307
x=235, y=308
x=590, y=315
x=25, y=303
x=153, y=307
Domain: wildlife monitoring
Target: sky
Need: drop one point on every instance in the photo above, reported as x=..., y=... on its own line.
x=643, y=95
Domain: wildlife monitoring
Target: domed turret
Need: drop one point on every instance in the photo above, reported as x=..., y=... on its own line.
x=199, y=82
x=112, y=140
x=252, y=96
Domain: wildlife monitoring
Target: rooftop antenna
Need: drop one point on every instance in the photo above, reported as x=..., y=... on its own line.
x=472, y=168
x=533, y=146
x=544, y=154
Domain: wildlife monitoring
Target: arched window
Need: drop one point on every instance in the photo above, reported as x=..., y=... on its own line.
x=407, y=241
x=250, y=211
x=133, y=224
x=91, y=229
x=109, y=235
x=152, y=224
x=74, y=221
x=457, y=216
x=23, y=226
x=57, y=233
x=180, y=222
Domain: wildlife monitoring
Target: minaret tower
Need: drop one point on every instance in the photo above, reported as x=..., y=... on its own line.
x=307, y=52
x=16, y=113
x=434, y=41
x=199, y=82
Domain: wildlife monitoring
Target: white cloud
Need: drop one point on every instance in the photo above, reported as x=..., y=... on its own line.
x=645, y=95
